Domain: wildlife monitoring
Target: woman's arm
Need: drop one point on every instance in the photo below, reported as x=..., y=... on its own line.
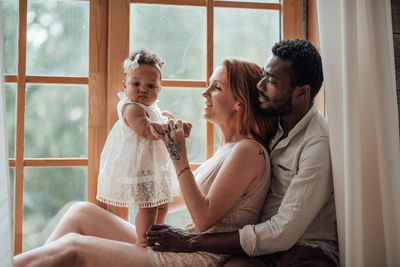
x=243, y=167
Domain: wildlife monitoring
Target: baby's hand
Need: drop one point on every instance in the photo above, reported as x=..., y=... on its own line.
x=166, y=113
x=187, y=127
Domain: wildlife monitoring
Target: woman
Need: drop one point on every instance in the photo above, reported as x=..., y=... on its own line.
x=228, y=192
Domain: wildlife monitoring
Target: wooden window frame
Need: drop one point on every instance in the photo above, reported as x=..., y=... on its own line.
x=109, y=46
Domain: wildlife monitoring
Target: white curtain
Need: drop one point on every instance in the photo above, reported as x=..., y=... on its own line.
x=6, y=250
x=357, y=52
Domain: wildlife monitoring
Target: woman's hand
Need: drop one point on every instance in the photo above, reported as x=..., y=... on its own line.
x=187, y=127
x=174, y=138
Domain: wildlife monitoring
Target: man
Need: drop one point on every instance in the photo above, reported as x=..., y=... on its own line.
x=298, y=223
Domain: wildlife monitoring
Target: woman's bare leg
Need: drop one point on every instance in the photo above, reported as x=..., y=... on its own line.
x=162, y=213
x=86, y=218
x=78, y=250
x=144, y=218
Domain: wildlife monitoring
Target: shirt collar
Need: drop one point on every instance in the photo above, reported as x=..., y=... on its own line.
x=297, y=128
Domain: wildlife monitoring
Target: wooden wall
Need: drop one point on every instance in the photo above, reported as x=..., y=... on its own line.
x=396, y=43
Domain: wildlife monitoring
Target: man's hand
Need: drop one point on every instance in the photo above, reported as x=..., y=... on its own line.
x=162, y=237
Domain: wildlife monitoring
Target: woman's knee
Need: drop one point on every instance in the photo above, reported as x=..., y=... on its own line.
x=80, y=210
x=71, y=245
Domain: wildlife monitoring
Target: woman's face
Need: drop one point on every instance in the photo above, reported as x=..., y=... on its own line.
x=220, y=103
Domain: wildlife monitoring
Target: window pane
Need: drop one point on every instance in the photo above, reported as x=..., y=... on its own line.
x=246, y=33
x=57, y=38
x=11, y=91
x=56, y=121
x=177, y=33
x=48, y=192
x=9, y=15
x=187, y=104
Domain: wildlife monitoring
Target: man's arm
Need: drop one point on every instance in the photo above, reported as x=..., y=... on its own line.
x=306, y=195
x=169, y=238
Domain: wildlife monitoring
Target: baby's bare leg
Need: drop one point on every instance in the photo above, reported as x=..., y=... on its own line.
x=89, y=219
x=144, y=218
x=162, y=213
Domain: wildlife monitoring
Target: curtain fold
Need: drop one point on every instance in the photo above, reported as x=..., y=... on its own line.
x=6, y=251
x=357, y=52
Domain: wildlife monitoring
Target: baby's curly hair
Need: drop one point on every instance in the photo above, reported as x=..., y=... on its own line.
x=146, y=57
x=306, y=63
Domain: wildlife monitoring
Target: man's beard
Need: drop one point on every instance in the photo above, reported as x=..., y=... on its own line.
x=281, y=110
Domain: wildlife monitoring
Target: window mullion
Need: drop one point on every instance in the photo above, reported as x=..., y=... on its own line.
x=210, y=68
x=118, y=50
x=20, y=128
x=97, y=125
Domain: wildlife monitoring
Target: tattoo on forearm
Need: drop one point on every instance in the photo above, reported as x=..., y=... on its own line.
x=261, y=152
x=174, y=150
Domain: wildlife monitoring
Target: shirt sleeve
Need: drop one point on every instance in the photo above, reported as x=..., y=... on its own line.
x=307, y=193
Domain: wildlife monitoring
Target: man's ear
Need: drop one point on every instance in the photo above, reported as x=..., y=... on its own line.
x=303, y=91
x=123, y=84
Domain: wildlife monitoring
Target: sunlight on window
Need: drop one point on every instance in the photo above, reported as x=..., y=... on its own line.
x=176, y=33
x=58, y=38
x=9, y=17
x=11, y=100
x=187, y=104
x=245, y=33
x=42, y=211
x=56, y=121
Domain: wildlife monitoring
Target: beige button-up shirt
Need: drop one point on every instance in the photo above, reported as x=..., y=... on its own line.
x=300, y=207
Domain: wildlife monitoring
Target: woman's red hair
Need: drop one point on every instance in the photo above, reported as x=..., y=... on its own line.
x=243, y=77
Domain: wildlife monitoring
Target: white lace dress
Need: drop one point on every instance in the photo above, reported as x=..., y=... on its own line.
x=135, y=171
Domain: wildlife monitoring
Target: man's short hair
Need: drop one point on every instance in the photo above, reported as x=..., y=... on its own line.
x=306, y=63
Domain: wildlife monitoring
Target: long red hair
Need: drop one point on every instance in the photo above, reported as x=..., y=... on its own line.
x=243, y=77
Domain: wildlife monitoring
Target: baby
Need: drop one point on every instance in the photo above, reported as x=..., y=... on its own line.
x=135, y=168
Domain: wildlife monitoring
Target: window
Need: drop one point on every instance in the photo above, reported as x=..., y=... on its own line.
x=63, y=69
x=47, y=110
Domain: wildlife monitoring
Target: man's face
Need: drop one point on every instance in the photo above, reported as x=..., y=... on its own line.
x=275, y=92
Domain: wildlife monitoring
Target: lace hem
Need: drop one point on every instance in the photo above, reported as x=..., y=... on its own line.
x=128, y=204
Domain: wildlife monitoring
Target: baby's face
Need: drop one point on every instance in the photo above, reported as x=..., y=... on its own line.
x=143, y=84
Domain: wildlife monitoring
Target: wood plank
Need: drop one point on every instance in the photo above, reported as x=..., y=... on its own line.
x=57, y=79
x=118, y=50
x=181, y=83
x=172, y=2
x=97, y=128
x=313, y=37
x=292, y=23
x=248, y=5
x=52, y=162
x=10, y=78
x=20, y=128
x=209, y=71
x=227, y=4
